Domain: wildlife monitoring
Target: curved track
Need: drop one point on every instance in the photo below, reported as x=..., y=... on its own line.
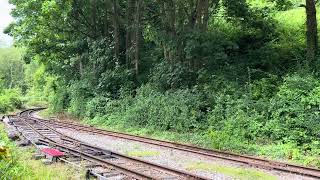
x=38, y=131
x=249, y=160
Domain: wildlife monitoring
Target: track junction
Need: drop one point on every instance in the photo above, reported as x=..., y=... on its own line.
x=107, y=164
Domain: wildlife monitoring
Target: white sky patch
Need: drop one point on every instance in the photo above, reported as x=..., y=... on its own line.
x=5, y=20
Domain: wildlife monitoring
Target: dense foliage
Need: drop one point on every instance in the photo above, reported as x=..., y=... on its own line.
x=11, y=79
x=233, y=70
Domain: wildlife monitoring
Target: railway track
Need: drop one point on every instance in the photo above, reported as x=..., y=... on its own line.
x=100, y=162
x=249, y=160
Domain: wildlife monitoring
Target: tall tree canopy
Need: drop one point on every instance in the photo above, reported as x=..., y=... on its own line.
x=61, y=32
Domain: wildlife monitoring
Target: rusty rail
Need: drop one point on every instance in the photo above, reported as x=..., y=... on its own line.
x=79, y=148
x=249, y=160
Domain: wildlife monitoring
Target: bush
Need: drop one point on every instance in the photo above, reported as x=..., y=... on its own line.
x=174, y=111
x=42, y=85
x=264, y=88
x=59, y=101
x=79, y=93
x=237, y=120
x=290, y=115
x=295, y=110
x=96, y=106
x=10, y=100
x=112, y=81
x=9, y=165
x=167, y=76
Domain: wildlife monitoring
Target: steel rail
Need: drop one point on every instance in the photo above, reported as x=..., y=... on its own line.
x=250, y=160
x=175, y=171
x=122, y=169
x=118, y=155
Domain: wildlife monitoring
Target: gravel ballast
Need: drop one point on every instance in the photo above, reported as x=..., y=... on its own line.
x=198, y=164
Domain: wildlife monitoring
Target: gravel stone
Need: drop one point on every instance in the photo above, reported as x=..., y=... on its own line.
x=169, y=157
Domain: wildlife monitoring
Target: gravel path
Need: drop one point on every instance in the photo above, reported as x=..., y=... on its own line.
x=197, y=164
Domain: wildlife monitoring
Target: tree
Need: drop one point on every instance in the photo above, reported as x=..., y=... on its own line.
x=116, y=29
x=11, y=67
x=78, y=39
x=312, y=33
x=137, y=35
x=129, y=31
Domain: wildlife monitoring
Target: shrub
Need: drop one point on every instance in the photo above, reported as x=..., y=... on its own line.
x=290, y=115
x=59, y=101
x=264, y=88
x=236, y=119
x=295, y=110
x=111, y=82
x=10, y=100
x=167, y=76
x=96, y=106
x=175, y=111
x=79, y=93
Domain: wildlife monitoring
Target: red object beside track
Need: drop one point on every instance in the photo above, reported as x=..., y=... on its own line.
x=52, y=152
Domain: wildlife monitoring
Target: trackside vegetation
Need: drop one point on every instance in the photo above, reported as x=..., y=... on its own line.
x=235, y=75
x=11, y=79
x=16, y=163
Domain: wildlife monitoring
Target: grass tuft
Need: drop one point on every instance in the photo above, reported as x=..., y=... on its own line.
x=21, y=166
x=143, y=153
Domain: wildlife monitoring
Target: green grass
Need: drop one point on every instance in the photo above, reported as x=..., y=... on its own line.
x=143, y=153
x=292, y=26
x=45, y=113
x=238, y=173
x=21, y=166
x=39, y=171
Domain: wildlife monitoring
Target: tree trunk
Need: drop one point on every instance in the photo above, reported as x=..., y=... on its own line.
x=137, y=37
x=199, y=13
x=163, y=21
x=94, y=17
x=312, y=34
x=116, y=30
x=106, y=18
x=193, y=14
x=11, y=77
x=205, y=16
x=171, y=14
x=130, y=15
x=80, y=67
x=202, y=15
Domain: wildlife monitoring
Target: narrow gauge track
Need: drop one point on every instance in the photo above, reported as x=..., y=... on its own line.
x=249, y=160
x=112, y=163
